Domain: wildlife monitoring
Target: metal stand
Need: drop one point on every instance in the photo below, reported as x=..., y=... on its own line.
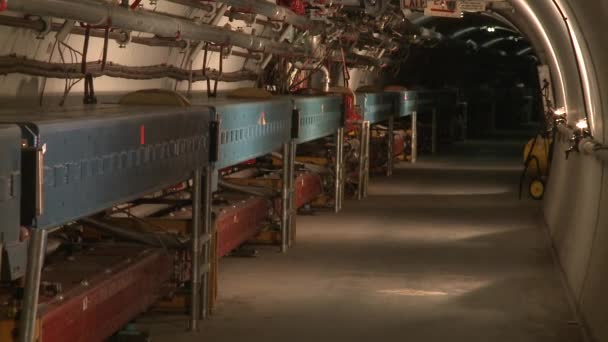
x=338, y=169
x=201, y=245
x=434, y=132
x=207, y=240
x=292, y=193
x=195, y=299
x=414, y=156
x=363, y=161
x=29, y=308
x=390, y=142
x=285, y=199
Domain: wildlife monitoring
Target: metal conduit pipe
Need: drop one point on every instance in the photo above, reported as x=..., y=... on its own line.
x=273, y=12
x=155, y=240
x=250, y=190
x=193, y=3
x=587, y=146
x=320, y=68
x=95, y=13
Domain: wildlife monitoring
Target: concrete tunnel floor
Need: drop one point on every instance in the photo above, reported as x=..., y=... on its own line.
x=441, y=251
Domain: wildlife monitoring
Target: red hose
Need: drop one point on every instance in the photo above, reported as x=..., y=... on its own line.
x=135, y=4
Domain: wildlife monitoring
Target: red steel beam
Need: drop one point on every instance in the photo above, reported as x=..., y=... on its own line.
x=240, y=221
x=102, y=291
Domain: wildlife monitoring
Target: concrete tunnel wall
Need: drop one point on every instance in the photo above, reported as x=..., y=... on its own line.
x=578, y=188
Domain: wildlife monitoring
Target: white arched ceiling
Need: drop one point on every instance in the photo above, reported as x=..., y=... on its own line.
x=567, y=36
x=24, y=42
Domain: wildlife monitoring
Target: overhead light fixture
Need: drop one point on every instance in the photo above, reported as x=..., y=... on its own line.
x=491, y=29
x=559, y=111
x=582, y=124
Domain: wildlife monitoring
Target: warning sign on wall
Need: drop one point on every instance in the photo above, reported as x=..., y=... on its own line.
x=472, y=5
x=442, y=8
x=413, y=5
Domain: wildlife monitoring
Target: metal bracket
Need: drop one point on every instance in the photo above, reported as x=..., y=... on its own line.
x=214, y=141
x=48, y=26
x=295, y=124
x=125, y=38
x=213, y=93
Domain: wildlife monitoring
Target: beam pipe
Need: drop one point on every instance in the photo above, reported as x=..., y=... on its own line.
x=101, y=13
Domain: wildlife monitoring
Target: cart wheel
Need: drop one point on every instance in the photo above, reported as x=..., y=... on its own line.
x=537, y=189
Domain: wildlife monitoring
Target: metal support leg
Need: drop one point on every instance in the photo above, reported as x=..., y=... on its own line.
x=414, y=156
x=367, y=149
x=29, y=309
x=197, y=213
x=292, y=194
x=285, y=199
x=207, y=203
x=434, y=132
x=363, y=161
x=339, y=164
x=390, y=141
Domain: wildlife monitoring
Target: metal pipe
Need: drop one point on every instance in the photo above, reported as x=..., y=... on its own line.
x=219, y=14
x=342, y=177
x=320, y=68
x=251, y=190
x=414, y=143
x=363, y=161
x=273, y=12
x=292, y=193
x=207, y=231
x=338, y=169
x=285, y=199
x=155, y=240
x=195, y=4
x=33, y=273
x=281, y=38
x=195, y=300
x=367, y=149
x=326, y=79
x=390, y=142
x=101, y=13
x=40, y=180
x=39, y=25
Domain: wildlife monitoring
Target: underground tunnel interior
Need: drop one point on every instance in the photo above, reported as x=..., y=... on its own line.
x=102, y=201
